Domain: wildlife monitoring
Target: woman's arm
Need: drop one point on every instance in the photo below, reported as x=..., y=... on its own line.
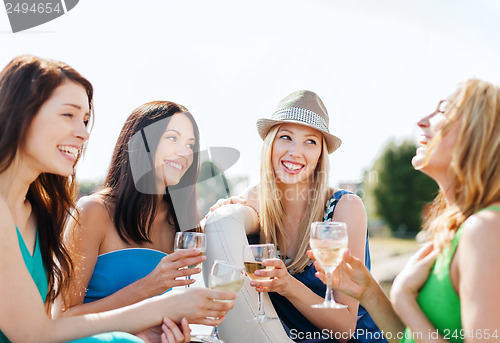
x=85, y=238
x=195, y=304
x=23, y=317
x=354, y=279
x=477, y=262
x=249, y=212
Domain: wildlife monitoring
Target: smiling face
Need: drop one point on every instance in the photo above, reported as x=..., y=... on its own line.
x=438, y=163
x=296, y=151
x=58, y=131
x=174, y=154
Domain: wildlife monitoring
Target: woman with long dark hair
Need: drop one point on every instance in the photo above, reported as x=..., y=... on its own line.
x=45, y=114
x=123, y=241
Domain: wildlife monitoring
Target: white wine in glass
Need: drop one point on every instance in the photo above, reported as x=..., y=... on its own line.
x=252, y=267
x=191, y=240
x=253, y=255
x=328, y=241
x=224, y=276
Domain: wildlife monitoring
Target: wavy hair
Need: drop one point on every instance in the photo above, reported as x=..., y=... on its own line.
x=272, y=208
x=26, y=83
x=132, y=202
x=475, y=162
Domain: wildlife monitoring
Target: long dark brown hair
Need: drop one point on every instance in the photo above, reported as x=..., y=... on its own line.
x=134, y=202
x=26, y=83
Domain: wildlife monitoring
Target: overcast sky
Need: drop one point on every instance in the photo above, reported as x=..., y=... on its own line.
x=378, y=65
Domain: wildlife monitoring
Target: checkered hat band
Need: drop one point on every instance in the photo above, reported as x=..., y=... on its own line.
x=303, y=115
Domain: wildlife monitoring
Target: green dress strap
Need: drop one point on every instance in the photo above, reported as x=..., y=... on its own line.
x=493, y=207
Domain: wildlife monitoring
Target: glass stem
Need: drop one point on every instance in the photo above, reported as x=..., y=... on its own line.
x=261, y=306
x=214, y=332
x=329, y=291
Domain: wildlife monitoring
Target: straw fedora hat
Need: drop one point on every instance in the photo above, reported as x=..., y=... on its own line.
x=305, y=108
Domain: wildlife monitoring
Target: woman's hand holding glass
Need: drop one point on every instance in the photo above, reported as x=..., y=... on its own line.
x=199, y=305
x=328, y=241
x=275, y=278
x=254, y=256
x=351, y=276
x=223, y=276
x=172, y=271
x=191, y=240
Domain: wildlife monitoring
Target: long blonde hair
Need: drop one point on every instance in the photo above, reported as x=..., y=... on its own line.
x=475, y=164
x=272, y=209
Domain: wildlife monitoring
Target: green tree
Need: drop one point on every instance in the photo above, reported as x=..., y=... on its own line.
x=86, y=187
x=214, y=185
x=400, y=193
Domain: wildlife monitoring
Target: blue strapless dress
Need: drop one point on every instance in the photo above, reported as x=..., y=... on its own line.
x=118, y=269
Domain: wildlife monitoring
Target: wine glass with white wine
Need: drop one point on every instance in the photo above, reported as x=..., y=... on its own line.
x=191, y=240
x=224, y=276
x=253, y=255
x=328, y=242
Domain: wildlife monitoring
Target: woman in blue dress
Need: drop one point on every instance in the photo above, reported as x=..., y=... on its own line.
x=123, y=238
x=45, y=111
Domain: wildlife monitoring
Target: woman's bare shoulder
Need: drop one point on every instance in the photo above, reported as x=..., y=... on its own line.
x=350, y=207
x=93, y=217
x=347, y=198
x=93, y=204
x=482, y=227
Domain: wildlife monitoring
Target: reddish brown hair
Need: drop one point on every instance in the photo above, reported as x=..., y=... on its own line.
x=26, y=83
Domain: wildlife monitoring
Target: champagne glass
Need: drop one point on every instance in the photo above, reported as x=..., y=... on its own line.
x=223, y=276
x=328, y=242
x=253, y=255
x=191, y=240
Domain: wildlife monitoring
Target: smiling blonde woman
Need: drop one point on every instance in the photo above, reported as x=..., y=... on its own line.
x=294, y=192
x=448, y=290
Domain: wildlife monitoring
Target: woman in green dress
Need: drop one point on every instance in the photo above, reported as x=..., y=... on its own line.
x=449, y=290
x=45, y=115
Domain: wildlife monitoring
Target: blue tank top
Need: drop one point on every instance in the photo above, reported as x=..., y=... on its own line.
x=118, y=269
x=366, y=329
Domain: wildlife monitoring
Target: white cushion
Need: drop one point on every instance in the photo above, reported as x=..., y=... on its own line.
x=225, y=230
